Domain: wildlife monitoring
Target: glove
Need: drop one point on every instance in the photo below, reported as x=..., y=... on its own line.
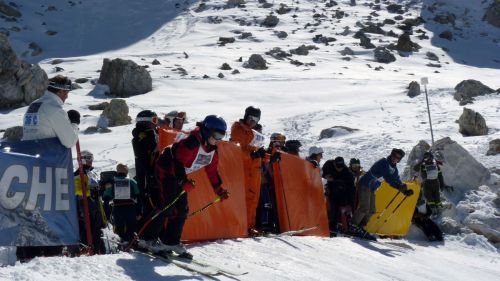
x=74, y=116
x=408, y=192
x=222, y=193
x=275, y=157
x=188, y=186
x=259, y=153
x=403, y=188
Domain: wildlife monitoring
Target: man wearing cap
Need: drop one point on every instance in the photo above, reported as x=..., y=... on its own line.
x=45, y=117
x=246, y=133
x=315, y=155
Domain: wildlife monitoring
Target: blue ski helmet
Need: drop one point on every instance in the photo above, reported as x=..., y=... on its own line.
x=215, y=126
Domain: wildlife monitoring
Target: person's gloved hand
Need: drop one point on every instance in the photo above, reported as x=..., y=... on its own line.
x=275, y=157
x=259, y=153
x=408, y=192
x=403, y=187
x=74, y=116
x=188, y=186
x=222, y=193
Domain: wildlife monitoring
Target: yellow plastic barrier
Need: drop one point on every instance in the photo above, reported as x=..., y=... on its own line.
x=299, y=196
x=388, y=221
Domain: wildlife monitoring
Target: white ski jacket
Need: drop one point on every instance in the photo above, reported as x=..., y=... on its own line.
x=45, y=118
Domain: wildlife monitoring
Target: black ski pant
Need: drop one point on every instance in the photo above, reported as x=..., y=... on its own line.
x=431, y=192
x=125, y=221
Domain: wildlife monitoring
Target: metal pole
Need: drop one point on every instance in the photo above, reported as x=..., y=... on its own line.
x=424, y=82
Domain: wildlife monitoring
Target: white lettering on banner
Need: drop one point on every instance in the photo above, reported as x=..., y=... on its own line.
x=11, y=173
x=18, y=174
x=40, y=189
x=61, y=175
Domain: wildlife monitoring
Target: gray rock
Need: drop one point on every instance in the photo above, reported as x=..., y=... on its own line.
x=278, y=53
x=226, y=40
x=225, y=66
x=125, y=78
x=271, y=21
x=320, y=39
x=468, y=89
x=336, y=131
x=494, y=147
x=36, y=49
x=9, y=10
x=202, y=7
x=460, y=169
x=450, y=226
x=117, y=113
x=56, y=61
x=302, y=50
x=373, y=28
x=256, y=62
x=395, y=8
x=220, y=75
x=51, y=32
x=413, y=89
x=445, y=18
x=13, y=133
x=405, y=44
x=472, y=123
x=245, y=35
x=389, y=21
x=432, y=56
x=347, y=52
x=20, y=82
x=381, y=54
x=155, y=62
x=448, y=35
x=75, y=86
x=81, y=80
x=281, y=34
x=99, y=106
x=91, y=130
x=492, y=15
x=236, y=71
x=234, y=3
x=283, y=9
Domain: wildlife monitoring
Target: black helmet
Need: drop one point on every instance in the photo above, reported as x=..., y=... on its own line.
x=252, y=111
x=292, y=146
x=354, y=161
x=339, y=162
x=428, y=156
x=147, y=116
x=398, y=151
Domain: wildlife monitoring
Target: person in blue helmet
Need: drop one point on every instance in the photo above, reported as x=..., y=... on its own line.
x=384, y=169
x=175, y=164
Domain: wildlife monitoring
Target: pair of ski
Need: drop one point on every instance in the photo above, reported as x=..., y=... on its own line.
x=292, y=232
x=193, y=265
x=395, y=245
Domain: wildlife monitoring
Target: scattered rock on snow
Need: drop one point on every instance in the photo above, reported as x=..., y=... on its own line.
x=226, y=40
x=155, y=62
x=225, y=66
x=446, y=35
x=432, y=56
x=395, y=8
x=125, y=78
x=492, y=15
x=381, y=54
x=270, y=21
x=413, y=89
x=256, y=62
x=413, y=159
x=278, y=53
x=405, y=44
x=347, y=52
x=468, y=89
x=9, y=10
x=81, y=80
x=281, y=34
x=336, y=131
x=117, y=113
x=99, y=106
x=472, y=123
x=36, y=49
x=494, y=147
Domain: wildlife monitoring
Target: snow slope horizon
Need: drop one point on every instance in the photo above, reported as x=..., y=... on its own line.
x=300, y=101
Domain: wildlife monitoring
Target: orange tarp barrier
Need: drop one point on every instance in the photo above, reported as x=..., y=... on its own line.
x=390, y=222
x=299, y=196
x=226, y=219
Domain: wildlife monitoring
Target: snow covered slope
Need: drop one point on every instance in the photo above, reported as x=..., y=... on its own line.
x=318, y=91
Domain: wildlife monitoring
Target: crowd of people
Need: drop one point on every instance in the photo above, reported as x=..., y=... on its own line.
x=151, y=209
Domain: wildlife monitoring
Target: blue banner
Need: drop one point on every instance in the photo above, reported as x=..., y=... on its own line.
x=37, y=195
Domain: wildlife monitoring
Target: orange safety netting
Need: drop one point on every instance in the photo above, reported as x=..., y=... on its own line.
x=299, y=196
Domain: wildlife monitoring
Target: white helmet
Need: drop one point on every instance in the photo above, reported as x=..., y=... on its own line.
x=315, y=150
x=87, y=157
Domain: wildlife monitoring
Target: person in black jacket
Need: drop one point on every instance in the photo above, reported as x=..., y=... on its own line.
x=145, y=145
x=340, y=192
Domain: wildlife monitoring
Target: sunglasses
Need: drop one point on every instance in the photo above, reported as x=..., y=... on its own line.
x=253, y=118
x=218, y=134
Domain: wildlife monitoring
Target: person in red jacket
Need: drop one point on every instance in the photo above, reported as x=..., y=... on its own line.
x=175, y=164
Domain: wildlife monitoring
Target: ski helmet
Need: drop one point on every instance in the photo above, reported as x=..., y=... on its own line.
x=339, y=162
x=86, y=157
x=354, y=161
x=428, y=156
x=214, y=126
x=252, y=111
x=278, y=137
x=293, y=146
x=315, y=150
x=146, y=117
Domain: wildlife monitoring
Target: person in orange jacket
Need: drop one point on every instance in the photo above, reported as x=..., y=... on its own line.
x=246, y=133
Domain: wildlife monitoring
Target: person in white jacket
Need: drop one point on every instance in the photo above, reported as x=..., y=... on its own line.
x=45, y=117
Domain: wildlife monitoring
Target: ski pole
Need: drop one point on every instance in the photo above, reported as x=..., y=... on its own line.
x=146, y=224
x=83, y=185
x=387, y=206
x=205, y=207
x=392, y=214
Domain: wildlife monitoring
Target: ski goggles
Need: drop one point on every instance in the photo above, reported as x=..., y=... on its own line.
x=218, y=134
x=60, y=86
x=153, y=119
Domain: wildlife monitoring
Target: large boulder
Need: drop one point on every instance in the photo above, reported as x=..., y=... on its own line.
x=117, y=113
x=413, y=89
x=460, y=169
x=472, y=123
x=9, y=10
x=125, y=78
x=492, y=15
x=467, y=89
x=381, y=54
x=20, y=82
x=415, y=156
x=336, y=131
x=494, y=147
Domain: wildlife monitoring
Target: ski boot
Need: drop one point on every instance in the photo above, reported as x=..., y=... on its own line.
x=154, y=245
x=178, y=249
